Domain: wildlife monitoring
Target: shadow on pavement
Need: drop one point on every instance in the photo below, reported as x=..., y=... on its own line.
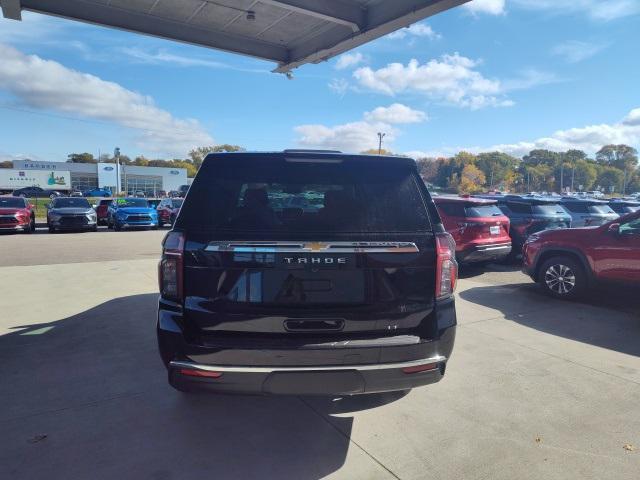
x=573, y=320
x=94, y=385
x=476, y=269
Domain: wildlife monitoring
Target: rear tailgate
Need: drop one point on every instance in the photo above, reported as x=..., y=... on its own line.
x=310, y=287
x=280, y=246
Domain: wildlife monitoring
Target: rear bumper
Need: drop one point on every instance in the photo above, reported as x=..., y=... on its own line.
x=338, y=369
x=483, y=253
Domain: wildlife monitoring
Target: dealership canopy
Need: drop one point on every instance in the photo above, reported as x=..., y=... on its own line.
x=289, y=32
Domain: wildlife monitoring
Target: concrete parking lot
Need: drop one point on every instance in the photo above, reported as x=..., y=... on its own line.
x=536, y=388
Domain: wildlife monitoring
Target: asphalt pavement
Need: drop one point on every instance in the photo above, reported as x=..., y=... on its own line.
x=536, y=388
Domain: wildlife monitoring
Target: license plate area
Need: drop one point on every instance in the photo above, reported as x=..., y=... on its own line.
x=495, y=230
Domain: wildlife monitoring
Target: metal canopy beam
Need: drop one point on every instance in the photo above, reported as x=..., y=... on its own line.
x=383, y=18
x=11, y=9
x=335, y=11
x=293, y=33
x=111, y=16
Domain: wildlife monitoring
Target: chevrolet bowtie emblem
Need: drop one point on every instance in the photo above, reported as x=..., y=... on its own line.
x=316, y=246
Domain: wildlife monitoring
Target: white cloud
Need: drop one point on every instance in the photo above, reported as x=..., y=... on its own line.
x=599, y=10
x=574, y=51
x=48, y=85
x=395, y=113
x=589, y=138
x=339, y=86
x=452, y=79
x=530, y=78
x=492, y=7
x=160, y=57
x=416, y=30
x=360, y=135
x=349, y=60
x=349, y=137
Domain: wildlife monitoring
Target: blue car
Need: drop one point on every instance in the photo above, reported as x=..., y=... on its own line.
x=97, y=192
x=131, y=213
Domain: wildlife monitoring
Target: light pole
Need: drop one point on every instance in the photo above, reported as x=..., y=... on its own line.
x=116, y=155
x=380, y=137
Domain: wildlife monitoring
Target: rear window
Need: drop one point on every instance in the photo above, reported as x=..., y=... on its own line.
x=577, y=207
x=71, y=202
x=9, y=202
x=483, y=211
x=105, y=202
x=601, y=209
x=271, y=195
x=549, y=209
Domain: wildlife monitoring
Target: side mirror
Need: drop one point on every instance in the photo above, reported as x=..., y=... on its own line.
x=614, y=228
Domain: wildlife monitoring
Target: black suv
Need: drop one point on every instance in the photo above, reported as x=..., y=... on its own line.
x=306, y=272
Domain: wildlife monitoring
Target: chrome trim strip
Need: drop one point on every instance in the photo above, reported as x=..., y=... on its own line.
x=313, y=247
x=239, y=369
x=494, y=247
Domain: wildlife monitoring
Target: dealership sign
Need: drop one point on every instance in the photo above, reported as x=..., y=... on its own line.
x=49, y=180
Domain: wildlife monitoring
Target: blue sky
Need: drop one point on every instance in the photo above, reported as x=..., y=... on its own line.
x=510, y=75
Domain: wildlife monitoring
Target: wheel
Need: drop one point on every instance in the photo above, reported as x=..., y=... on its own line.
x=52, y=196
x=52, y=230
x=562, y=277
x=117, y=227
x=32, y=226
x=95, y=228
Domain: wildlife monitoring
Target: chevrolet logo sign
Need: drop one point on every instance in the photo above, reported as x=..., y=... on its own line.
x=316, y=246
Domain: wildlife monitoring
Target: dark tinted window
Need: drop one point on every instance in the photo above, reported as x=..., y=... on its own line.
x=451, y=209
x=12, y=202
x=105, y=202
x=176, y=202
x=271, y=195
x=577, y=207
x=71, y=202
x=484, y=211
x=517, y=207
x=549, y=209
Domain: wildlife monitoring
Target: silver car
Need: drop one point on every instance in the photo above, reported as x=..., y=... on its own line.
x=588, y=212
x=71, y=213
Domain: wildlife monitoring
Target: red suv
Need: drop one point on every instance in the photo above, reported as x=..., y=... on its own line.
x=102, y=210
x=567, y=262
x=16, y=215
x=168, y=210
x=478, y=226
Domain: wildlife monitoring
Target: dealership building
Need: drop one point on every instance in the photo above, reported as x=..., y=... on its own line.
x=86, y=176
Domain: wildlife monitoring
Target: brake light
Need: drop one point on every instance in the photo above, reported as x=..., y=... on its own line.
x=446, y=266
x=200, y=373
x=170, y=270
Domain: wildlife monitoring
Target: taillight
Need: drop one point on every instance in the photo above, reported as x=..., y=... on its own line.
x=170, y=270
x=446, y=266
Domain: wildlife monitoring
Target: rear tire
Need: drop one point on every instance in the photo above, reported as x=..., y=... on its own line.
x=52, y=230
x=563, y=277
x=117, y=227
x=32, y=226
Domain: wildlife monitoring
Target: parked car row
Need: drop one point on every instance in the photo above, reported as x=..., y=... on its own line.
x=603, y=243
x=76, y=213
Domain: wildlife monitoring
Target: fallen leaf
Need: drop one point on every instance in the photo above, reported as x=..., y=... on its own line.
x=37, y=438
x=538, y=439
x=628, y=447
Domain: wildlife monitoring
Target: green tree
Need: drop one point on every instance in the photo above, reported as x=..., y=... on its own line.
x=610, y=179
x=498, y=168
x=197, y=154
x=81, y=158
x=141, y=161
x=584, y=173
x=472, y=179
x=620, y=156
x=542, y=157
